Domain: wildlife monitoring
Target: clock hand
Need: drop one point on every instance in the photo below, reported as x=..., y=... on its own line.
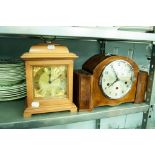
x=112, y=83
x=115, y=73
x=117, y=79
x=50, y=77
x=55, y=79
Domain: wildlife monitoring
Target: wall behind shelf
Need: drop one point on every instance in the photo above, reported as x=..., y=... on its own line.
x=140, y=52
x=15, y=47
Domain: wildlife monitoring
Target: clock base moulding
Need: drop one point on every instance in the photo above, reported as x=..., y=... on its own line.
x=46, y=109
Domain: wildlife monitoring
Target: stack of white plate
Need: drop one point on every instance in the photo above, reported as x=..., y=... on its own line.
x=12, y=79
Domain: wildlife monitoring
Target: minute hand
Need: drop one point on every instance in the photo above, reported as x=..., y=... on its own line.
x=115, y=73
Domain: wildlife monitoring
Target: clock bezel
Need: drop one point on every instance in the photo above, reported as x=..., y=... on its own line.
x=101, y=76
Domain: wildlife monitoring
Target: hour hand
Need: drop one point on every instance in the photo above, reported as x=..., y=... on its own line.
x=49, y=76
x=112, y=83
x=50, y=81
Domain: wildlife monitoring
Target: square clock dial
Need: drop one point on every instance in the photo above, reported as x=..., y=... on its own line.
x=50, y=82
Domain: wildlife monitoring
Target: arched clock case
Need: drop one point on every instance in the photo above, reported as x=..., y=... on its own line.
x=108, y=80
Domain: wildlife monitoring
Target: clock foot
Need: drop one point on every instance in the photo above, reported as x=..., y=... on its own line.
x=73, y=109
x=27, y=114
x=46, y=109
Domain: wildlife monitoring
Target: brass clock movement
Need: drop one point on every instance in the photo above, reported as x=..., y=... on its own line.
x=49, y=79
x=108, y=80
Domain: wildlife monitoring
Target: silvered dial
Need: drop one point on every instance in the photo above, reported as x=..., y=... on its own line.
x=116, y=79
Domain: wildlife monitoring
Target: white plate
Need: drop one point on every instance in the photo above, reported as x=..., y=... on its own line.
x=9, y=91
x=12, y=98
x=11, y=94
x=17, y=86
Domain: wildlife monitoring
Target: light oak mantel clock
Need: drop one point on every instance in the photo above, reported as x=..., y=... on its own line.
x=49, y=79
x=108, y=80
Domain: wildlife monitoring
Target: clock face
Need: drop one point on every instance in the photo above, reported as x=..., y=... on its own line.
x=50, y=81
x=116, y=79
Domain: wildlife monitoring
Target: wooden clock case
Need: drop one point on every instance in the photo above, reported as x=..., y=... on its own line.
x=39, y=55
x=87, y=90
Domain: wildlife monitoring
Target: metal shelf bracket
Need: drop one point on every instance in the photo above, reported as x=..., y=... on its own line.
x=98, y=124
x=102, y=46
x=147, y=115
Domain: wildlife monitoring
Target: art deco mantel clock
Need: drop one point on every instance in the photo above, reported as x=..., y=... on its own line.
x=49, y=79
x=108, y=80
